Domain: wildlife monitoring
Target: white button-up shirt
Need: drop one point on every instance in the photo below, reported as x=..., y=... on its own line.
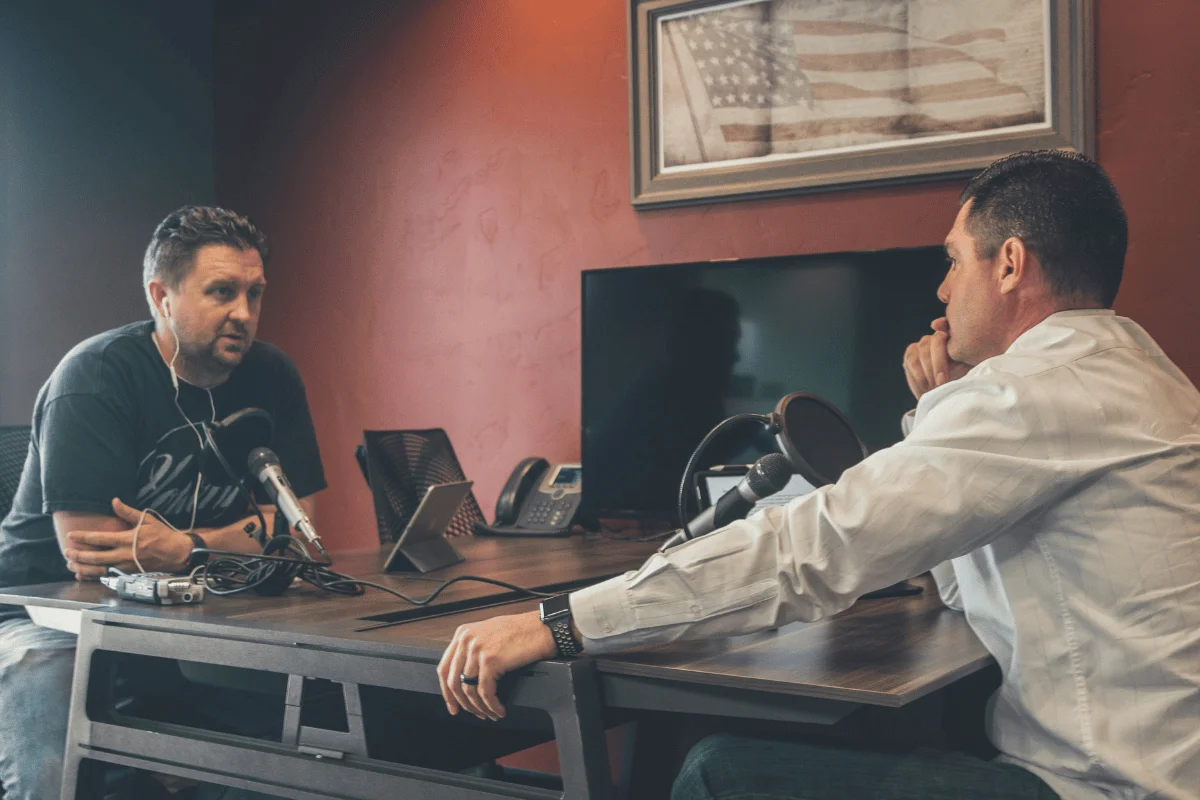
x=1055, y=492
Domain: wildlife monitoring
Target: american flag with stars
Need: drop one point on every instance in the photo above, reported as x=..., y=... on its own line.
x=793, y=76
x=749, y=64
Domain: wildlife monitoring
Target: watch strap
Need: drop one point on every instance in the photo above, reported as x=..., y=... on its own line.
x=195, y=559
x=564, y=639
x=556, y=615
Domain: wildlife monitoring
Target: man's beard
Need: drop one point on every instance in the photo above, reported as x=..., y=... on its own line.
x=210, y=362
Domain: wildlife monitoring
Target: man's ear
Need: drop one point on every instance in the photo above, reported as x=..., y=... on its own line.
x=158, y=297
x=1012, y=264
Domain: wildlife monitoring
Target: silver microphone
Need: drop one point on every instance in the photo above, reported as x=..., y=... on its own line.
x=264, y=465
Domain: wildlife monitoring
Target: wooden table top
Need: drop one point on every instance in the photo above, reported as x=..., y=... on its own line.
x=880, y=652
x=524, y=561
x=884, y=652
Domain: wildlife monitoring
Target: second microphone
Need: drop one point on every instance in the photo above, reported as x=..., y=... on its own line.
x=768, y=475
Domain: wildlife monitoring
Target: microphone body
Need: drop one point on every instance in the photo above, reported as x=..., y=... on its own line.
x=264, y=465
x=768, y=475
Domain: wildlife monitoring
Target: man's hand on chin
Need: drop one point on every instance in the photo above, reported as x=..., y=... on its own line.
x=927, y=362
x=487, y=650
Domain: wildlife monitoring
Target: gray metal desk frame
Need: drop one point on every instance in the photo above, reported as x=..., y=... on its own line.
x=324, y=764
x=312, y=763
x=317, y=764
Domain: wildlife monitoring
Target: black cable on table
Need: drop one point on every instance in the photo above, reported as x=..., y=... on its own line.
x=233, y=573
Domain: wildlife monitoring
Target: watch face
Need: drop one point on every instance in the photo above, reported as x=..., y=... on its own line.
x=556, y=606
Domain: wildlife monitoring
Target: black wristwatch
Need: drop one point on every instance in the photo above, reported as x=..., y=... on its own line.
x=556, y=614
x=196, y=559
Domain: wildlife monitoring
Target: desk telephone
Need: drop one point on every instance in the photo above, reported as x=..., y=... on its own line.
x=539, y=499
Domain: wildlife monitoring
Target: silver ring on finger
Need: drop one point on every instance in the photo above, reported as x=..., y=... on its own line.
x=468, y=680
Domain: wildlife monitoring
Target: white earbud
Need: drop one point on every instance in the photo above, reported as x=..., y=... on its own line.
x=166, y=315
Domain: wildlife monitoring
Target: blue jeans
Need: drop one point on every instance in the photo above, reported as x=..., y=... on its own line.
x=741, y=768
x=36, y=666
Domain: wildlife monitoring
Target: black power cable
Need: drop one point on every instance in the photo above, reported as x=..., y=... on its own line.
x=234, y=573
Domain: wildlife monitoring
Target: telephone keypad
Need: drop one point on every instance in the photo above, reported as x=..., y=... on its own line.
x=547, y=511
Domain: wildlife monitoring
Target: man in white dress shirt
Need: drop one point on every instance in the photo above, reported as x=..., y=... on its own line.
x=1050, y=479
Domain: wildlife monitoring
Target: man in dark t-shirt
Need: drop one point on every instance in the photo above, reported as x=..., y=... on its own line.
x=106, y=426
x=119, y=432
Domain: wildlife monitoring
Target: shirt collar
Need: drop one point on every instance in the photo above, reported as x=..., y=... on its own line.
x=1059, y=316
x=1081, y=312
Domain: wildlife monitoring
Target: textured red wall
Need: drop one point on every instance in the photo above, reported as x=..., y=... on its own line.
x=436, y=175
x=1148, y=76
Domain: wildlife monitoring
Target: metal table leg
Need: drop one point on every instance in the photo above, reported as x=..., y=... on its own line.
x=309, y=763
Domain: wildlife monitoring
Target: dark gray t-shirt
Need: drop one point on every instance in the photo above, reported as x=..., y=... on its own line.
x=106, y=425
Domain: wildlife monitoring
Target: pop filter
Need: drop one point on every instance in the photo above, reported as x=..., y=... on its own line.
x=819, y=442
x=233, y=437
x=262, y=422
x=822, y=444
x=816, y=437
x=255, y=428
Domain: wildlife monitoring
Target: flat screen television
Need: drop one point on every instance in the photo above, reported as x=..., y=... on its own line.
x=669, y=351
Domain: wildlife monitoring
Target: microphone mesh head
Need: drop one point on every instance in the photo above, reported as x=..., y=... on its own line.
x=769, y=474
x=261, y=457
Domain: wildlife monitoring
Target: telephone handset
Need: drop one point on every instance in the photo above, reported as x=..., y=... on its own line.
x=539, y=499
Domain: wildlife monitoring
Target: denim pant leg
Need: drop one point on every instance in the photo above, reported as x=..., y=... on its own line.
x=736, y=767
x=36, y=665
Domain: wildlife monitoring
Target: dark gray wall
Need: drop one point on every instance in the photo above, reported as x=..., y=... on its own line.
x=106, y=125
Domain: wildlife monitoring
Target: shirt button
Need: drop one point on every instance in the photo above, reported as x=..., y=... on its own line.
x=695, y=610
x=607, y=627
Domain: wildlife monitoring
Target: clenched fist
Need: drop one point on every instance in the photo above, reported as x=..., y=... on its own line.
x=927, y=362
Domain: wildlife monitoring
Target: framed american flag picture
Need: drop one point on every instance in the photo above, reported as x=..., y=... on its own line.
x=754, y=98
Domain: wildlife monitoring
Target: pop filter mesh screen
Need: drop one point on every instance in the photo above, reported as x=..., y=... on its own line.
x=821, y=436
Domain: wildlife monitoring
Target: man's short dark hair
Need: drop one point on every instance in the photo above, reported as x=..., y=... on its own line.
x=177, y=238
x=1065, y=209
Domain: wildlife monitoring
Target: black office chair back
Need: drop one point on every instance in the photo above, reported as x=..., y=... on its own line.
x=14, y=448
x=400, y=466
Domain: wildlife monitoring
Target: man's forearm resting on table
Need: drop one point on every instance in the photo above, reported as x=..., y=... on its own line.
x=93, y=542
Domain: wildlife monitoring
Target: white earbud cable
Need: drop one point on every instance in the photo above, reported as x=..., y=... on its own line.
x=199, y=474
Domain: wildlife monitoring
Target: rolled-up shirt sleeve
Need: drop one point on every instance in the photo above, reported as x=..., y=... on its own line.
x=960, y=478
